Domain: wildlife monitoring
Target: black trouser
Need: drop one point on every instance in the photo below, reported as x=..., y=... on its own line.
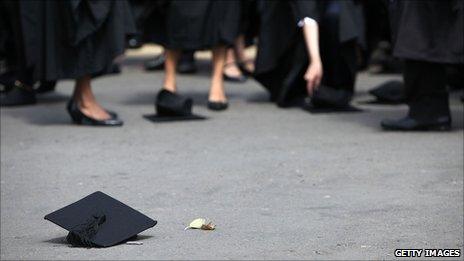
x=338, y=59
x=426, y=92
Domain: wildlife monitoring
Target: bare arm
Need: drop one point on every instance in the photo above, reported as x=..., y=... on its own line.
x=313, y=74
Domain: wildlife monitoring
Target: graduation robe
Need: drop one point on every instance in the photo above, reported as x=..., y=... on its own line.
x=193, y=25
x=282, y=57
x=429, y=30
x=73, y=38
x=12, y=58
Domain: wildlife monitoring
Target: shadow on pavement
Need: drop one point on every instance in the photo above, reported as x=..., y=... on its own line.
x=62, y=240
x=148, y=97
x=52, y=98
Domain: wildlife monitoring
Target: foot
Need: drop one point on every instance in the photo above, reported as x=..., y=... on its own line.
x=217, y=99
x=217, y=106
x=19, y=94
x=93, y=110
x=79, y=117
x=232, y=73
x=247, y=67
x=410, y=124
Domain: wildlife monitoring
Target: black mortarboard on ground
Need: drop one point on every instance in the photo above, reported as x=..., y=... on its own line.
x=326, y=99
x=171, y=106
x=391, y=92
x=99, y=220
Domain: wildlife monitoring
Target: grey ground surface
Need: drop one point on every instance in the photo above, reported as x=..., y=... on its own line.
x=279, y=183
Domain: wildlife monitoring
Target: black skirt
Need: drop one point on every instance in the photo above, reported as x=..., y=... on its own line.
x=193, y=25
x=71, y=39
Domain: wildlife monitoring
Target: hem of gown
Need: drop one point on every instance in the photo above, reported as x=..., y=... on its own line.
x=420, y=57
x=107, y=70
x=194, y=47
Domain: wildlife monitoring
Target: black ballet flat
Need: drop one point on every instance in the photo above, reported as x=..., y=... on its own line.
x=235, y=79
x=242, y=67
x=112, y=113
x=217, y=106
x=81, y=119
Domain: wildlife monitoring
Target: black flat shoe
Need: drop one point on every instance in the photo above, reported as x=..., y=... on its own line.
x=217, y=106
x=242, y=66
x=410, y=124
x=80, y=118
x=235, y=79
x=238, y=79
x=19, y=94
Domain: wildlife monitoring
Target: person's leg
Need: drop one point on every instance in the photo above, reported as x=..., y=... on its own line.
x=217, y=93
x=339, y=66
x=86, y=100
x=244, y=62
x=427, y=98
x=172, y=56
x=231, y=70
x=426, y=90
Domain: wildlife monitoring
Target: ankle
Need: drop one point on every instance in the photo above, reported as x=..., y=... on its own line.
x=171, y=88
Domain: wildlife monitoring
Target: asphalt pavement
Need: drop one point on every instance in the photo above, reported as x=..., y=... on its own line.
x=278, y=183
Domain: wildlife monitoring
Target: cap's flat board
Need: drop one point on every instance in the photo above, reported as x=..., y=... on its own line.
x=122, y=221
x=332, y=109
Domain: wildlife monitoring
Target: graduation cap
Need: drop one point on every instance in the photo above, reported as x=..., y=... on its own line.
x=171, y=106
x=327, y=99
x=99, y=220
x=391, y=92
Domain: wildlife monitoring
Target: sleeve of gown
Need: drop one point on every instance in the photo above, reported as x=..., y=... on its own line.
x=304, y=9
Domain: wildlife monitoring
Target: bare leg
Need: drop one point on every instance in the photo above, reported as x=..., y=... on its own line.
x=231, y=69
x=172, y=56
x=216, y=92
x=84, y=97
x=240, y=54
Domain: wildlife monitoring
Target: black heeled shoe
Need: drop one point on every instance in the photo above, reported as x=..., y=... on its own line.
x=217, y=106
x=80, y=118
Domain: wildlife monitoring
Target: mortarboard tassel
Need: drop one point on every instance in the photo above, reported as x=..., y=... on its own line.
x=81, y=235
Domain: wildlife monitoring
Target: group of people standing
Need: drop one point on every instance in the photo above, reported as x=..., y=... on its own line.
x=308, y=51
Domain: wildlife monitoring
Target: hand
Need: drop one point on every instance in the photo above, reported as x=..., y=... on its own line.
x=313, y=76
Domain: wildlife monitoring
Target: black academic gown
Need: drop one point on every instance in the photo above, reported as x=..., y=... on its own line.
x=193, y=25
x=74, y=38
x=249, y=20
x=12, y=56
x=429, y=30
x=428, y=35
x=282, y=57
